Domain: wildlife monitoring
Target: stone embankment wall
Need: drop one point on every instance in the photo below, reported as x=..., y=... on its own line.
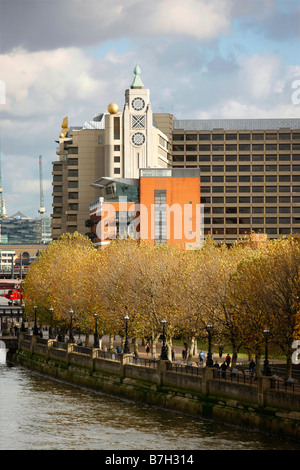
x=257, y=405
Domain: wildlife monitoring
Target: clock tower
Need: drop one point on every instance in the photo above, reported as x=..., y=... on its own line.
x=137, y=128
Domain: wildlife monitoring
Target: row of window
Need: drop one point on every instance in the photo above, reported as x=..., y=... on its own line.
x=233, y=147
x=253, y=210
x=236, y=136
x=248, y=200
x=248, y=168
x=255, y=220
x=248, y=230
x=246, y=178
x=249, y=189
x=234, y=158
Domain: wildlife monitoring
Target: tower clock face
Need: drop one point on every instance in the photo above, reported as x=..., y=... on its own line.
x=138, y=104
x=138, y=138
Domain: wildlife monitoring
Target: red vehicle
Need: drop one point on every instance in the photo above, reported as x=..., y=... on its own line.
x=10, y=289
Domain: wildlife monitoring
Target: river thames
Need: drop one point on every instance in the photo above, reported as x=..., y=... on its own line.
x=38, y=413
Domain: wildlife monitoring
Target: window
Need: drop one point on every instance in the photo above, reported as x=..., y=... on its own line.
x=191, y=136
x=257, y=179
x=204, y=158
x=217, y=136
x=244, y=200
x=284, y=210
x=244, y=158
x=72, y=184
x=271, y=210
x=244, y=179
x=218, y=189
x=217, y=168
x=271, y=178
x=257, y=168
x=285, y=199
x=178, y=158
x=257, y=189
x=218, y=210
x=244, y=136
x=284, y=220
x=57, y=178
x=117, y=159
x=73, y=173
x=218, y=158
x=256, y=147
x=205, y=179
x=230, y=147
x=230, y=168
x=100, y=139
x=258, y=220
x=257, y=136
x=271, y=199
x=191, y=148
x=231, y=136
x=285, y=146
x=57, y=200
x=285, y=136
x=117, y=148
x=257, y=199
x=73, y=195
x=231, y=200
x=244, y=168
x=117, y=171
x=271, y=136
x=231, y=179
x=116, y=128
x=244, y=189
x=178, y=137
x=271, y=220
x=73, y=207
x=204, y=136
x=218, y=179
x=218, y=200
x=271, y=147
x=204, y=148
x=178, y=148
x=244, y=147
x=73, y=162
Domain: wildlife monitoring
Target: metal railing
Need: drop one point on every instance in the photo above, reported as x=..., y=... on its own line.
x=141, y=361
x=184, y=368
x=235, y=375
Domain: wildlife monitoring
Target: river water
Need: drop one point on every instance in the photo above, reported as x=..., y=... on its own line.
x=38, y=413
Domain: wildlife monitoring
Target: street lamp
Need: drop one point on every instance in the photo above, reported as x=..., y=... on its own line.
x=51, y=326
x=96, y=336
x=126, y=345
x=209, y=362
x=35, y=328
x=23, y=323
x=164, y=351
x=266, y=369
x=71, y=337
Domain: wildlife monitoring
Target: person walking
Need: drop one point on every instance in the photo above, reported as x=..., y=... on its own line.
x=227, y=360
x=221, y=350
x=223, y=369
x=252, y=367
x=201, y=357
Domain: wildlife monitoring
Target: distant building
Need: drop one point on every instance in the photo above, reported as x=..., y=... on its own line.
x=22, y=230
x=162, y=206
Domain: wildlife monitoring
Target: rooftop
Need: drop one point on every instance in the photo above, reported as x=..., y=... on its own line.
x=236, y=124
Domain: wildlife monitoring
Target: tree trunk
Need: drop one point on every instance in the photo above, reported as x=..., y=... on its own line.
x=111, y=343
x=258, y=365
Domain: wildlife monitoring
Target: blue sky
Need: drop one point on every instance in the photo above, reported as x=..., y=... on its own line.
x=199, y=58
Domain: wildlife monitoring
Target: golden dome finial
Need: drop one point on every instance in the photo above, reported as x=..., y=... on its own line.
x=113, y=108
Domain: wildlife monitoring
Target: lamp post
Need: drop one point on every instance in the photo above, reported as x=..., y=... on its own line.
x=35, y=328
x=126, y=345
x=209, y=361
x=51, y=326
x=164, y=351
x=266, y=369
x=23, y=323
x=96, y=336
x=71, y=337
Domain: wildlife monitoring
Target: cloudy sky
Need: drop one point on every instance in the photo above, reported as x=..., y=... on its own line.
x=200, y=59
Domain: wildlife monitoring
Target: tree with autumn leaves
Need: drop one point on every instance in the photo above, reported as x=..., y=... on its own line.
x=240, y=291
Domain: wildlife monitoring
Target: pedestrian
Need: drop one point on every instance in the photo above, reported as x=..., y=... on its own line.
x=184, y=354
x=252, y=367
x=223, y=369
x=173, y=354
x=201, y=357
x=227, y=360
x=147, y=348
x=220, y=350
